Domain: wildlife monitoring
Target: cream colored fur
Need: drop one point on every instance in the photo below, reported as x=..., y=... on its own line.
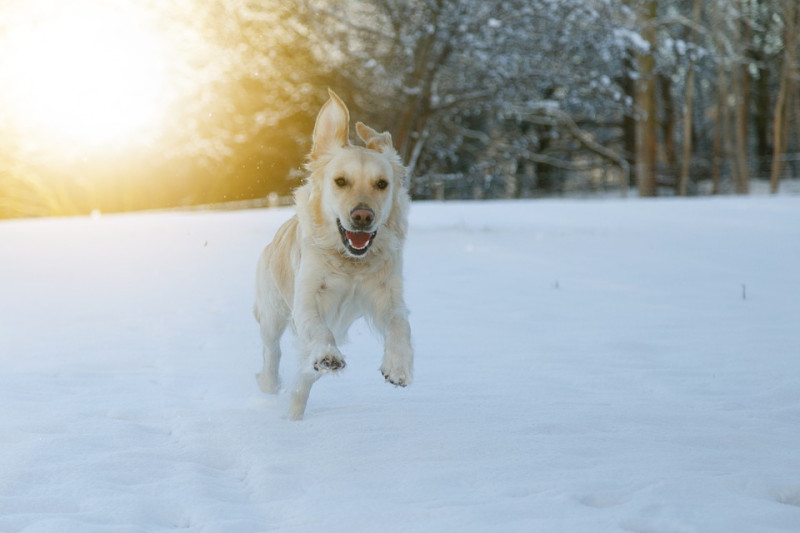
x=309, y=278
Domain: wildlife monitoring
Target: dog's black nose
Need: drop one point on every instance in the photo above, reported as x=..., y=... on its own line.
x=362, y=217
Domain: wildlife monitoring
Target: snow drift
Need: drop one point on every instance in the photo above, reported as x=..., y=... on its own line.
x=582, y=366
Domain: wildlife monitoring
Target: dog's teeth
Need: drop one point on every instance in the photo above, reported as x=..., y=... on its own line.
x=358, y=241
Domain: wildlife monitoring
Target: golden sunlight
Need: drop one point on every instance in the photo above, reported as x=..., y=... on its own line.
x=81, y=75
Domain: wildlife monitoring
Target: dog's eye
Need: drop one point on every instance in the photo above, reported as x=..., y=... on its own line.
x=381, y=184
x=340, y=181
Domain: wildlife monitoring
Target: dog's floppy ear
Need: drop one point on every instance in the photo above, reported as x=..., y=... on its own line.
x=374, y=140
x=333, y=122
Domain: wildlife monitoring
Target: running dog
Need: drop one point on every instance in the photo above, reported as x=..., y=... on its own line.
x=338, y=259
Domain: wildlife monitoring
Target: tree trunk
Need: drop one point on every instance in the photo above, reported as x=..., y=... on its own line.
x=726, y=82
x=668, y=127
x=741, y=86
x=782, y=107
x=646, y=123
x=742, y=173
x=720, y=127
x=628, y=85
x=688, y=108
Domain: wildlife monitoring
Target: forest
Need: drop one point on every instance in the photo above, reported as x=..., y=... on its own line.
x=484, y=98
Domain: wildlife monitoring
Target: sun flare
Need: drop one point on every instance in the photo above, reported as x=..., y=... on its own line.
x=83, y=74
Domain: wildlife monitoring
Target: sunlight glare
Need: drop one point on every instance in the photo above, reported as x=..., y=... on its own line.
x=83, y=76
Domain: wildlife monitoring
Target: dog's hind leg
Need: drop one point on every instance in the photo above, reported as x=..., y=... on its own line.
x=273, y=324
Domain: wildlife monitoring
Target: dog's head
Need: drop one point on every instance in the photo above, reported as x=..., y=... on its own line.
x=354, y=187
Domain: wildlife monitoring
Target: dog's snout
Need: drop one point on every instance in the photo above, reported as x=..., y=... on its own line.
x=362, y=217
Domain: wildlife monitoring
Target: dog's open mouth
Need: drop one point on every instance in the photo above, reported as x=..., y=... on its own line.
x=356, y=242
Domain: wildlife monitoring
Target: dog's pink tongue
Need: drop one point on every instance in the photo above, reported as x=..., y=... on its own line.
x=358, y=239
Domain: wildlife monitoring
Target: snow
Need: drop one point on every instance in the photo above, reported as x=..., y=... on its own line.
x=625, y=37
x=582, y=366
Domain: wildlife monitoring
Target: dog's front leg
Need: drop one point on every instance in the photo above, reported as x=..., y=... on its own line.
x=398, y=355
x=317, y=343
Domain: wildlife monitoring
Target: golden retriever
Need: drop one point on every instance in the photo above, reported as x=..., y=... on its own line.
x=339, y=258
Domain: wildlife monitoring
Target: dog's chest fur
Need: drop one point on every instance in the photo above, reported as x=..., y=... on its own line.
x=348, y=288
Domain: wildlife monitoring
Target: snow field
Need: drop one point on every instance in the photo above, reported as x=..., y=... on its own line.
x=582, y=366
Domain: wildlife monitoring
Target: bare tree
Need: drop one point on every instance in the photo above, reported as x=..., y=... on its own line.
x=788, y=89
x=646, y=101
x=688, y=105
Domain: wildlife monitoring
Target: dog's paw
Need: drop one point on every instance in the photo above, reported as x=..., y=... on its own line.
x=397, y=377
x=329, y=363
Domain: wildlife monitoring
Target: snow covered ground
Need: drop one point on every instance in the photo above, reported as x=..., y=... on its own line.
x=582, y=366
